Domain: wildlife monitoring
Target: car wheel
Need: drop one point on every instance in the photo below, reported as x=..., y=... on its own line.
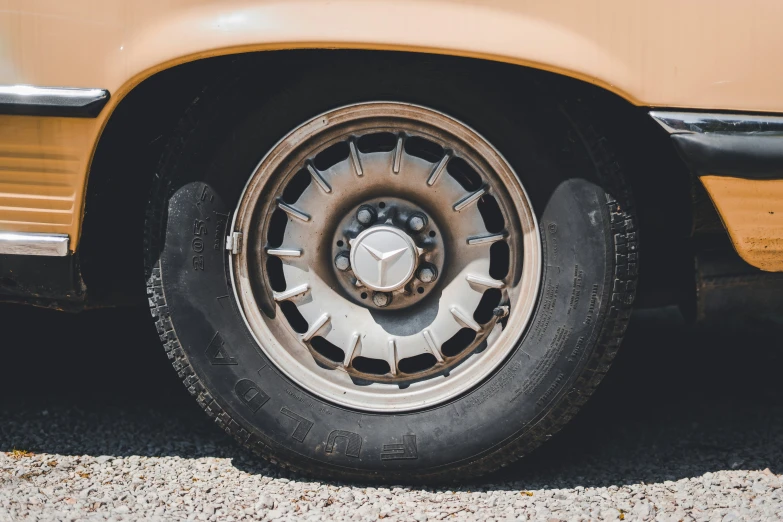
x=404, y=275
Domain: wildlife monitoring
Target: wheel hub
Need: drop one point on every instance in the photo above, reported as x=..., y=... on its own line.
x=384, y=258
x=387, y=225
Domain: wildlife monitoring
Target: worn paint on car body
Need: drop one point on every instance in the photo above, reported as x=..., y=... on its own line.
x=752, y=211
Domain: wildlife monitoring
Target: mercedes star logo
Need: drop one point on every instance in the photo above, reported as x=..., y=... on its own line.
x=385, y=259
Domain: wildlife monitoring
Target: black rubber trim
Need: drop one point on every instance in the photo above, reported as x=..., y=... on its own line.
x=751, y=156
x=53, y=105
x=50, y=282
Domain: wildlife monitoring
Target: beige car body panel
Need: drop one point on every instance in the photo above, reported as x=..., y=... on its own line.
x=698, y=54
x=752, y=211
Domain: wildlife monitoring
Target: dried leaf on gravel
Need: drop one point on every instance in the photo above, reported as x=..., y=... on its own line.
x=17, y=454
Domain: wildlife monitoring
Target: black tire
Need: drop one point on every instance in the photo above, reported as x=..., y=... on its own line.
x=587, y=226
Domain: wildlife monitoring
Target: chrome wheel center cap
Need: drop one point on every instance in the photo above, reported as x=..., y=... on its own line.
x=383, y=258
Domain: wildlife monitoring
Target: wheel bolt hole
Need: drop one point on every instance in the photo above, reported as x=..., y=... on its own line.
x=364, y=295
x=382, y=205
x=340, y=243
x=420, y=289
x=432, y=233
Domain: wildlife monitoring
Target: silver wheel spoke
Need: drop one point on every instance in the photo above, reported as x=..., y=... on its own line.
x=432, y=347
x=484, y=281
x=316, y=327
x=357, y=164
x=484, y=239
x=353, y=345
x=293, y=211
x=398, y=155
x=319, y=179
x=465, y=320
x=284, y=252
x=469, y=199
x=392, y=359
x=288, y=294
x=438, y=170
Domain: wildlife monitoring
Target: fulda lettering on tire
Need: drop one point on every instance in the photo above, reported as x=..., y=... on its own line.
x=411, y=277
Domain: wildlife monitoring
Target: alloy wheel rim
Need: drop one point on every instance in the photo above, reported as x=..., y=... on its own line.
x=386, y=233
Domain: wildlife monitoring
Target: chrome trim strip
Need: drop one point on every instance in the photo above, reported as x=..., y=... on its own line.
x=29, y=100
x=30, y=91
x=702, y=123
x=30, y=244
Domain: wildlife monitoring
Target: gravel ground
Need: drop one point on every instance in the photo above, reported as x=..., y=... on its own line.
x=688, y=426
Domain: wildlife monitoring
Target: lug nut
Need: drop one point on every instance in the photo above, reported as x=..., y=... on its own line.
x=342, y=262
x=417, y=222
x=366, y=215
x=381, y=299
x=427, y=274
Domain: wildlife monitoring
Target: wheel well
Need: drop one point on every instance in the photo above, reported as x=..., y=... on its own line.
x=111, y=249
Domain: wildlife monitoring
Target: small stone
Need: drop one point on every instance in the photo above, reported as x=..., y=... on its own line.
x=265, y=502
x=642, y=510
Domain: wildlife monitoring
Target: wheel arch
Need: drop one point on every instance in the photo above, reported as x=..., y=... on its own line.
x=541, y=40
x=140, y=123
